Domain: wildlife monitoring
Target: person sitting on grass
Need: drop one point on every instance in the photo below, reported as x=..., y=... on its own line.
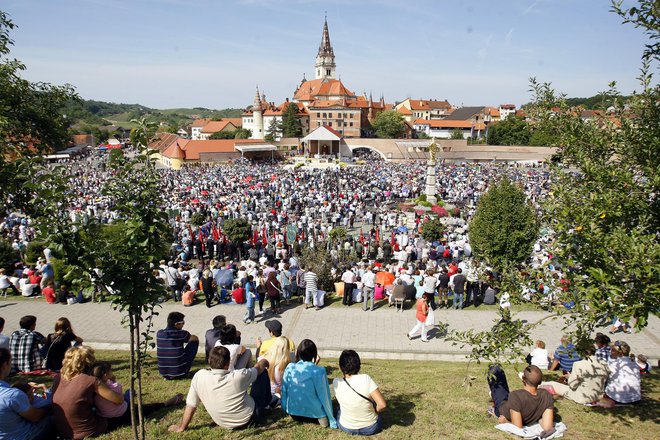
x=120, y=415
x=240, y=356
x=523, y=407
x=360, y=400
x=305, y=390
x=624, y=384
x=59, y=342
x=224, y=393
x=74, y=391
x=586, y=383
x=175, y=348
x=24, y=345
x=565, y=356
x=18, y=418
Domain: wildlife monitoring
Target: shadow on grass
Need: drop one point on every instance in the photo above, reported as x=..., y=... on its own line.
x=400, y=409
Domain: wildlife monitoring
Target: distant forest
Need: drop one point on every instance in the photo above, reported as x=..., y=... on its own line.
x=596, y=102
x=86, y=115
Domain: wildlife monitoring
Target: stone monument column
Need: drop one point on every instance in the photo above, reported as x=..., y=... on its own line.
x=431, y=189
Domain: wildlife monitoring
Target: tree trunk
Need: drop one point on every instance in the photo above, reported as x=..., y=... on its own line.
x=139, y=380
x=132, y=382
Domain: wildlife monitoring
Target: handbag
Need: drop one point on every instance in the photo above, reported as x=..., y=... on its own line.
x=365, y=398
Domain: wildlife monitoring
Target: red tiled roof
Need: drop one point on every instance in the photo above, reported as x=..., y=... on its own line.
x=424, y=104
x=215, y=126
x=193, y=148
x=163, y=141
x=404, y=110
x=200, y=122
x=309, y=90
x=175, y=150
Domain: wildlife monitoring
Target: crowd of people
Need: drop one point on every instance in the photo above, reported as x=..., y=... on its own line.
x=241, y=388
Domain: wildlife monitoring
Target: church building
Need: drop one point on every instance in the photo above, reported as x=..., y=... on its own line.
x=323, y=101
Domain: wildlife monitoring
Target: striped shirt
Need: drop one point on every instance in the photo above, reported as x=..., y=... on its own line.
x=311, y=281
x=170, y=353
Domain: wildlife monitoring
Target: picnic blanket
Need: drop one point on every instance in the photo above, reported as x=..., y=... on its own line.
x=532, y=431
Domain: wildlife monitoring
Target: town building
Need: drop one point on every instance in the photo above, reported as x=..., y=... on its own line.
x=413, y=109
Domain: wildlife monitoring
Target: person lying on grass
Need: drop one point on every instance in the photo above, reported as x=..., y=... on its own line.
x=523, y=407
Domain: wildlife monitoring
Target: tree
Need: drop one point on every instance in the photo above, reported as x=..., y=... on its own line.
x=229, y=134
x=124, y=252
x=607, y=214
x=31, y=121
x=512, y=131
x=274, y=130
x=433, y=230
x=115, y=156
x=457, y=134
x=291, y=126
x=646, y=16
x=8, y=256
x=242, y=133
x=238, y=230
x=504, y=227
x=388, y=124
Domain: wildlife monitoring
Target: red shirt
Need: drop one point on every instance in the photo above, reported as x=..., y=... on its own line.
x=35, y=279
x=238, y=295
x=49, y=293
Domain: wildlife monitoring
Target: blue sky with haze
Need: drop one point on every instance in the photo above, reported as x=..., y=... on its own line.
x=177, y=53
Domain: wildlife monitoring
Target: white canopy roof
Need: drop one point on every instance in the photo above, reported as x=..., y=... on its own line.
x=244, y=148
x=322, y=133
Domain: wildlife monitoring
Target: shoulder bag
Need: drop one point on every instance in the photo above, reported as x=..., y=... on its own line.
x=361, y=395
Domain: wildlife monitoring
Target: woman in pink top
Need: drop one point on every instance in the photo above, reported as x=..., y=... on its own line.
x=119, y=415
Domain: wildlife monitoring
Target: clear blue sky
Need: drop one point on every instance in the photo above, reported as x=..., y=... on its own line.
x=212, y=53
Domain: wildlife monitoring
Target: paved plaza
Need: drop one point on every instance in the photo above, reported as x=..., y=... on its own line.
x=380, y=334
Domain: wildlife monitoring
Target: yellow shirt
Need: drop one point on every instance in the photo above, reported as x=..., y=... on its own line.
x=265, y=345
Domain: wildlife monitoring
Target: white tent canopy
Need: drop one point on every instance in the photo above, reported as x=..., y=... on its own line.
x=245, y=148
x=322, y=134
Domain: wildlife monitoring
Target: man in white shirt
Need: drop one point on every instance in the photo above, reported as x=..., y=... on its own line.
x=369, y=281
x=348, y=277
x=224, y=393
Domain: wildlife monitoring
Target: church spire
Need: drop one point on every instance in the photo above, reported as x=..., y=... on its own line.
x=325, y=58
x=325, y=49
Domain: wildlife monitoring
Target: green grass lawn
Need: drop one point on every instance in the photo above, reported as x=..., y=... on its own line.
x=426, y=400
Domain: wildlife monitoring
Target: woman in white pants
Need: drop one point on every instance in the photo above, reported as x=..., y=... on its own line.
x=421, y=316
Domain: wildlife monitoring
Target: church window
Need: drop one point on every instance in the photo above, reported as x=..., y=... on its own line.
x=330, y=115
x=318, y=124
x=327, y=72
x=351, y=124
x=345, y=124
x=329, y=124
x=318, y=115
x=325, y=115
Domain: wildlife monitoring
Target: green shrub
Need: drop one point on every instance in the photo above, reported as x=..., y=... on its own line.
x=34, y=251
x=8, y=256
x=425, y=203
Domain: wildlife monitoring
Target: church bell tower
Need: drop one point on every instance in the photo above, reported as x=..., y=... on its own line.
x=325, y=59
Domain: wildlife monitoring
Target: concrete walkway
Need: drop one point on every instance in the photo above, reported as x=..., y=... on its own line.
x=380, y=334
